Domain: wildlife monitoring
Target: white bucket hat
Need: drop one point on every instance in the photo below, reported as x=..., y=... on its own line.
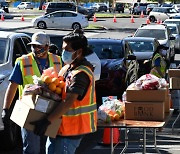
x=40, y=38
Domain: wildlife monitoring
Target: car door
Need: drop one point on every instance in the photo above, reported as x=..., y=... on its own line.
x=163, y=14
x=56, y=20
x=68, y=19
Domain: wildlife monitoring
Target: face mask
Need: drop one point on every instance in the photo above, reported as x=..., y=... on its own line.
x=67, y=57
x=163, y=52
x=40, y=52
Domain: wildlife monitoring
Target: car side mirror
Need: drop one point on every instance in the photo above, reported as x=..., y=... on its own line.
x=131, y=57
x=172, y=38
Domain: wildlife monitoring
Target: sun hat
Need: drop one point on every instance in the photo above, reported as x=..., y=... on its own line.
x=40, y=38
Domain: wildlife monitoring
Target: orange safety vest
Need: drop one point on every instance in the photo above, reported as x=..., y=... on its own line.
x=82, y=115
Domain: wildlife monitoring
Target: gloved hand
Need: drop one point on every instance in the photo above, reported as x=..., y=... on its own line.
x=5, y=115
x=40, y=126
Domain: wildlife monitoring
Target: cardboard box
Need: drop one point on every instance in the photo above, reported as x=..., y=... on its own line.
x=39, y=103
x=174, y=73
x=167, y=103
x=22, y=115
x=136, y=95
x=150, y=111
x=174, y=83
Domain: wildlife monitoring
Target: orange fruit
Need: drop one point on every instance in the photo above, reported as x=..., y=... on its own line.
x=61, y=84
x=61, y=78
x=58, y=90
x=47, y=79
x=116, y=116
x=55, y=81
x=52, y=86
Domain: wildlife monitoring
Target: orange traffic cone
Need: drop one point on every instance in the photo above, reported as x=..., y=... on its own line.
x=94, y=18
x=2, y=17
x=107, y=136
x=148, y=21
x=22, y=18
x=132, y=19
x=114, y=19
x=142, y=14
x=159, y=21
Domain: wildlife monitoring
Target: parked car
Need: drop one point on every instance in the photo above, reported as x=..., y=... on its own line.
x=119, y=66
x=99, y=7
x=6, y=15
x=5, y=6
x=143, y=48
x=175, y=31
x=137, y=8
x=177, y=7
x=162, y=13
x=161, y=33
x=119, y=7
x=71, y=20
x=150, y=7
x=166, y=5
x=172, y=21
x=25, y=5
x=60, y=6
x=12, y=45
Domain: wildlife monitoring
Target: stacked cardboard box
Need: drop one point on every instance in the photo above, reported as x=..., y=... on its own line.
x=174, y=78
x=32, y=108
x=146, y=104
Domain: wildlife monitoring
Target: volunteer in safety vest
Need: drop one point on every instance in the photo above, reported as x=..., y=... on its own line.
x=158, y=62
x=78, y=110
x=26, y=66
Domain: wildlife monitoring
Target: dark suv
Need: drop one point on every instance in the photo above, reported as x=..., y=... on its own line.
x=119, y=66
x=119, y=7
x=57, y=6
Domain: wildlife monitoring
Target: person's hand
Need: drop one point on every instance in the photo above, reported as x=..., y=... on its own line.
x=5, y=115
x=40, y=126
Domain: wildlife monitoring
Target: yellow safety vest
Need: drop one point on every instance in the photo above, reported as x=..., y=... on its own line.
x=81, y=118
x=29, y=67
x=162, y=66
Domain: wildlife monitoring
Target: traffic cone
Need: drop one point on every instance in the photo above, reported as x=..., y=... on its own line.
x=142, y=14
x=159, y=21
x=148, y=21
x=2, y=17
x=22, y=18
x=114, y=19
x=94, y=18
x=107, y=136
x=132, y=19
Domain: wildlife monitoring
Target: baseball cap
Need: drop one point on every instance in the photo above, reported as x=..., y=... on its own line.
x=40, y=38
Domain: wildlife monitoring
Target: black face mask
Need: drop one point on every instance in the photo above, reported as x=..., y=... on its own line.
x=40, y=52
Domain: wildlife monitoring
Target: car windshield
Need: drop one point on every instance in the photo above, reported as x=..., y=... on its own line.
x=155, y=33
x=107, y=50
x=172, y=22
x=172, y=10
x=3, y=50
x=172, y=29
x=141, y=46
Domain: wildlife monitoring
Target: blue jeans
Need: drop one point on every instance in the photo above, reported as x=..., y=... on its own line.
x=31, y=142
x=62, y=145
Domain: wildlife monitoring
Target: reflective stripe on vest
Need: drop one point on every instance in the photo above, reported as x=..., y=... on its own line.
x=83, y=112
x=27, y=63
x=57, y=62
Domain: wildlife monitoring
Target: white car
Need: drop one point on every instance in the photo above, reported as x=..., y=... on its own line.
x=12, y=45
x=175, y=31
x=161, y=33
x=61, y=19
x=177, y=7
x=25, y=5
x=172, y=21
x=162, y=13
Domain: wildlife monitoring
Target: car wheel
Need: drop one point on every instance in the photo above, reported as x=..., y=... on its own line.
x=152, y=19
x=76, y=26
x=41, y=25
